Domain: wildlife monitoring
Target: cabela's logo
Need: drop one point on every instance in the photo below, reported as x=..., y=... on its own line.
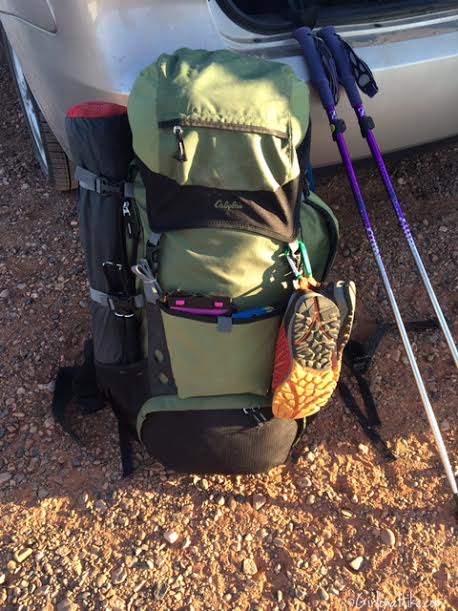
x=224, y=204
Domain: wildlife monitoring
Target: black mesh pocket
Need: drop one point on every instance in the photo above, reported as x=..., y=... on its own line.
x=218, y=441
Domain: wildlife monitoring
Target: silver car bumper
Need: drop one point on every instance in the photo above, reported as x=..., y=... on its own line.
x=88, y=50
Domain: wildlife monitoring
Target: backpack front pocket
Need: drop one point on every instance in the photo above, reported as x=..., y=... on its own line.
x=217, y=355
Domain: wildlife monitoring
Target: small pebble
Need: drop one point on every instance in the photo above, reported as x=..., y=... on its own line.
x=356, y=563
x=101, y=506
x=220, y=500
x=259, y=500
x=363, y=448
x=387, y=537
x=118, y=575
x=23, y=554
x=4, y=477
x=249, y=567
x=171, y=536
x=396, y=355
x=323, y=594
x=304, y=482
x=66, y=605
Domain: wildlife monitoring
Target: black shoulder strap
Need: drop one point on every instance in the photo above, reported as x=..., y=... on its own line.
x=80, y=383
x=353, y=354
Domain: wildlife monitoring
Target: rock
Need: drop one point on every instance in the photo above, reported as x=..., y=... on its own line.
x=186, y=543
x=258, y=501
x=262, y=533
x=101, y=580
x=387, y=537
x=310, y=456
x=49, y=386
x=401, y=181
x=160, y=590
x=4, y=294
x=66, y=604
x=249, y=567
x=310, y=500
x=23, y=554
x=323, y=594
x=171, y=536
x=119, y=575
x=231, y=503
x=21, y=286
x=363, y=448
x=356, y=563
x=396, y=355
x=2, y=578
x=101, y=506
x=304, y=482
x=220, y=500
x=443, y=229
x=4, y=477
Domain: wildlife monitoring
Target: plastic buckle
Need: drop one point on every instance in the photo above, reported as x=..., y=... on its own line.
x=104, y=187
x=122, y=306
x=366, y=124
x=337, y=127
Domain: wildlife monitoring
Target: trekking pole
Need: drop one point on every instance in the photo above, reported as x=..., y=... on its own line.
x=319, y=80
x=341, y=53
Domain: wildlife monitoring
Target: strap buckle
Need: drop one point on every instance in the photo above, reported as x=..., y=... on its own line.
x=103, y=186
x=122, y=306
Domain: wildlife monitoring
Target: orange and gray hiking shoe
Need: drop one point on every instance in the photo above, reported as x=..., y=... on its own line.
x=315, y=329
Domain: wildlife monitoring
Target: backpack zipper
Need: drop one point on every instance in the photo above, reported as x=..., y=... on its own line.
x=178, y=131
x=177, y=126
x=127, y=214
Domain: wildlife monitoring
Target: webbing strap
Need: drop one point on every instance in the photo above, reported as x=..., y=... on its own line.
x=106, y=300
x=101, y=185
x=367, y=427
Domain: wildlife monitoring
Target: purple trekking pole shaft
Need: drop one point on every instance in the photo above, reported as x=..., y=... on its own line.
x=319, y=80
x=348, y=81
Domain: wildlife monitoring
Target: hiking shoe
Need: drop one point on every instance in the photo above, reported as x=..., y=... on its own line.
x=308, y=357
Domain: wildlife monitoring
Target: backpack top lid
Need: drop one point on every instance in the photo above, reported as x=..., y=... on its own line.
x=223, y=90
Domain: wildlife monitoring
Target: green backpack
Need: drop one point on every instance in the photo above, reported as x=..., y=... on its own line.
x=214, y=196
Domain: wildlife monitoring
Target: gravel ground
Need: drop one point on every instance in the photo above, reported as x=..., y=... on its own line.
x=337, y=529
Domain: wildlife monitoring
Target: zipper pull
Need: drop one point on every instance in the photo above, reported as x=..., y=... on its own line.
x=178, y=131
x=127, y=217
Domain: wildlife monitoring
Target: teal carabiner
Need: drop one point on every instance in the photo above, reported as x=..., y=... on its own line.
x=305, y=259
